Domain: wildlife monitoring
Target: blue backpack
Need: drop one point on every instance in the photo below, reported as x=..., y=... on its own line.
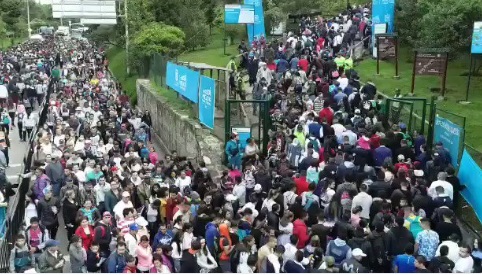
x=309, y=202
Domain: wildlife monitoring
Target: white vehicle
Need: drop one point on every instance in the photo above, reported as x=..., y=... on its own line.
x=63, y=30
x=37, y=37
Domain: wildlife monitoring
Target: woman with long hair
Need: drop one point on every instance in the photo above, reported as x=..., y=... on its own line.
x=177, y=250
x=85, y=232
x=204, y=258
x=69, y=206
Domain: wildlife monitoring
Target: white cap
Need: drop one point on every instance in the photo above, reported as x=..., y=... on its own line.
x=258, y=187
x=401, y=157
x=357, y=252
x=418, y=173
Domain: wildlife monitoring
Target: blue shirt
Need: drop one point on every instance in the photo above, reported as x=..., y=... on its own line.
x=405, y=263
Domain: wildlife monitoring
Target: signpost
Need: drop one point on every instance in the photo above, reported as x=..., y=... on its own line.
x=387, y=49
x=430, y=62
x=476, y=49
x=238, y=14
x=378, y=29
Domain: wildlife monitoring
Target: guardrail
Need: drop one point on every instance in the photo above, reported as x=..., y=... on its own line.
x=14, y=219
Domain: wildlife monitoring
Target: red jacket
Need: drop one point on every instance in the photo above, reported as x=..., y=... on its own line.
x=301, y=231
x=375, y=141
x=304, y=64
x=328, y=114
x=301, y=185
x=86, y=240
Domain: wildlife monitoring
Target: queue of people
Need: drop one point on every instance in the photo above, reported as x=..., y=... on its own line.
x=342, y=189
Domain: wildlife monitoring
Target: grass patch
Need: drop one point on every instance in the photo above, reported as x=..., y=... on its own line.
x=117, y=61
x=213, y=53
x=456, y=87
x=9, y=42
x=117, y=57
x=174, y=100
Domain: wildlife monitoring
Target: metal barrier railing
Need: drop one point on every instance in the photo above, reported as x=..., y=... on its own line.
x=14, y=219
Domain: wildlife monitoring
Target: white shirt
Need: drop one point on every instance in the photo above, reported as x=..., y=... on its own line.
x=449, y=189
x=3, y=91
x=338, y=128
x=343, y=82
x=131, y=244
x=239, y=190
x=100, y=192
x=464, y=265
x=365, y=201
x=273, y=259
x=453, y=254
x=186, y=240
x=120, y=206
x=183, y=183
x=290, y=251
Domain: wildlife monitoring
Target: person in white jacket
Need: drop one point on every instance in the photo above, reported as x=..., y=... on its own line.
x=204, y=259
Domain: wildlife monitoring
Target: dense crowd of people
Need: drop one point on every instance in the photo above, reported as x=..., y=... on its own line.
x=342, y=188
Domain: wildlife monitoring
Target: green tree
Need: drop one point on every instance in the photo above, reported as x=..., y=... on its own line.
x=155, y=38
x=11, y=11
x=452, y=23
x=104, y=35
x=159, y=38
x=212, y=13
x=189, y=15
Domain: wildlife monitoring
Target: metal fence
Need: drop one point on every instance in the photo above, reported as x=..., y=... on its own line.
x=155, y=69
x=14, y=219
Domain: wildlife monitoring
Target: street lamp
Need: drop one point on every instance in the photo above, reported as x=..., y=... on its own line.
x=28, y=19
x=126, y=24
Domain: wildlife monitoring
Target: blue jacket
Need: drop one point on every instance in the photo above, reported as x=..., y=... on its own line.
x=314, y=129
x=283, y=66
x=116, y=263
x=212, y=234
x=380, y=154
x=163, y=239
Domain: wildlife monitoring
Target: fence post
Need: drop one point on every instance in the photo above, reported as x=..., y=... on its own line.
x=431, y=122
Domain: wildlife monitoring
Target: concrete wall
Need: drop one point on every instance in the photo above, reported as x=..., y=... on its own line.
x=173, y=130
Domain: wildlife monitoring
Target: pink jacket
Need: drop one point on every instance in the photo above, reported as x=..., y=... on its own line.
x=153, y=157
x=364, y=143
x=144, y=258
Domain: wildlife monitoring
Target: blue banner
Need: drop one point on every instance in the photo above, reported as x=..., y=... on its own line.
x=207, y=96
x=470, y=175
x=477, y=38
x=183, y=80
x=256, y=30
x=239, y=14
x=383, y=11
x=449, y=134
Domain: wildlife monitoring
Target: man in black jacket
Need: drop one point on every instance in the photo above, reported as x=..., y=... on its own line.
x=397, y=238
x=188, y=261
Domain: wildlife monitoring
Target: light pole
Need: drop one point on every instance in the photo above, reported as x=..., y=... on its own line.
x=127, y=37
x=28, y=19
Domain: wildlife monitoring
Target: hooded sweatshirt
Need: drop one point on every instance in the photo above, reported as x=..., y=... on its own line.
x=339, y=250
x=212, y=234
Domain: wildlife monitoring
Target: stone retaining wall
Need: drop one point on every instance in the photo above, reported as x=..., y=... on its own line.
x=173, y=130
